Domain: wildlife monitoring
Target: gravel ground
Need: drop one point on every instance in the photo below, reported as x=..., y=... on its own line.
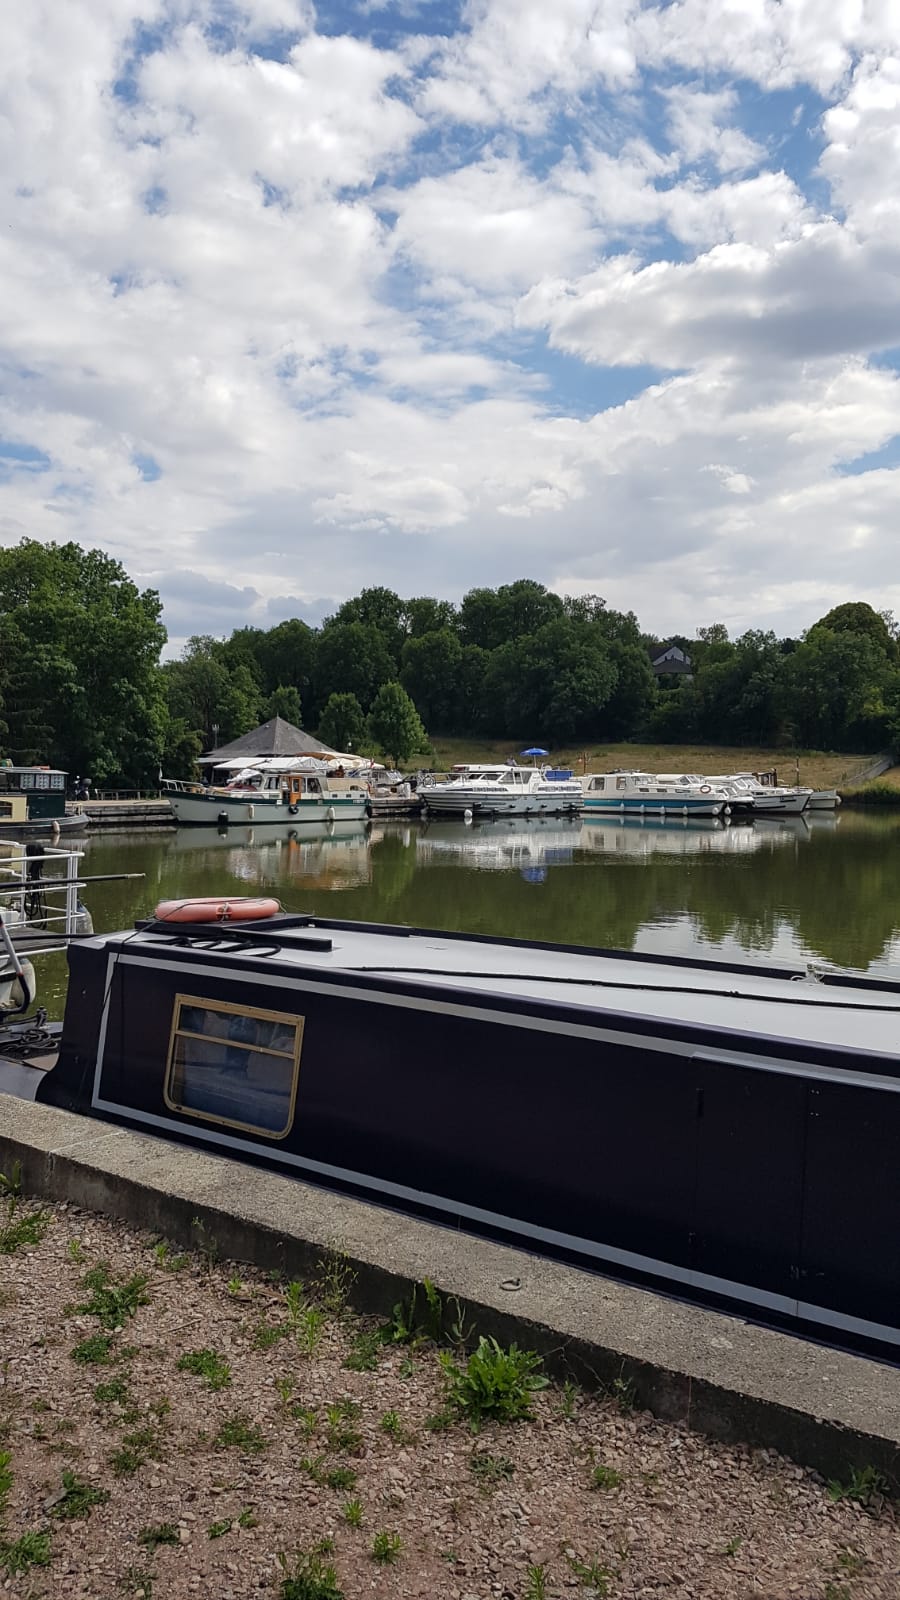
x=235, y=1476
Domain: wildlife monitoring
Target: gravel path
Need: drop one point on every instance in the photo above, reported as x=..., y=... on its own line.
x=587, y=1497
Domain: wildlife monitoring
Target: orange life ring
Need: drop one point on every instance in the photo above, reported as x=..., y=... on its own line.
x=240, y=909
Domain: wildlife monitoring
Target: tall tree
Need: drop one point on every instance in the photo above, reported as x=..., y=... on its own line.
x=284, y=702
x=352, y=658
x=343, y=726
x=206, y=693
x=376, y=608
x=394, y=724
x=430, y=674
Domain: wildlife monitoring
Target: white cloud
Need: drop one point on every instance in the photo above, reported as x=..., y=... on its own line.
x=699, y=125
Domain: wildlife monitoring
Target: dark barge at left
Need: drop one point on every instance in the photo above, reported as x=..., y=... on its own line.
x=725, y=1133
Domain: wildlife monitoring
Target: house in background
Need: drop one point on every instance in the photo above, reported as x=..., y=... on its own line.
x=670, y=661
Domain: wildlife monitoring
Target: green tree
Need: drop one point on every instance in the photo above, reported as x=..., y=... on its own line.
x=284, y=702
x=352, y=658
x=81, y=682
x=376, y=608
x=427, y=615
x=206, y=692
x=855, y=616
x=395, y=725
x=342, y=725
x=492, y=617
x=287, y=655
x=551, y=685
x=430, y=674
x=837, y=690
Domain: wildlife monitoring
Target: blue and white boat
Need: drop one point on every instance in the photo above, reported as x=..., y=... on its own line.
x=641, y=794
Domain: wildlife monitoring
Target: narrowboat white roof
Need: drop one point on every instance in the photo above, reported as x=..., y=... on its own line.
x=782, y=1004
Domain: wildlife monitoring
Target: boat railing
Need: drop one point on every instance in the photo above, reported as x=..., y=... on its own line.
x=23, y=885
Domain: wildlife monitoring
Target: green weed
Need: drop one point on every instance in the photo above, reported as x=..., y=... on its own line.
x=159, y=1533
x=570, y=1393
x=353, y=1513
x=495, y=1383
x=207, y=1364
x=387, y=1547
x=308, y=1578
x=606, y=1478
x=96, y=1351
x=112, y=1301
x=267, y=1334
x=74, y=1250
x=309, y=1329
x=113, y=1393
x=339, y=1419
x=536, y=1583
x=165, y=1259
x=364, y=1352
x=418, y=1320
x=850, y=1563
x=237, y=1433
x=29, y=1550
x=335, y=1280
x=489, y=1470
x=216, y=1530
x=733, y=1546
x=247, y=1518
x=22, y=1229
x=594, y=1575
x=391, y=1423
x=11, y=1182
x=863, y=1485
x=137, y=1581
x=328, y=1477
x=78, y=1499
x=6, y=1478
x=307, y=1420
x=137, y=1447
x=206, y=1244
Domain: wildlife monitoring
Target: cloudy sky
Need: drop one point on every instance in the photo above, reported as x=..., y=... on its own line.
x=297, y=298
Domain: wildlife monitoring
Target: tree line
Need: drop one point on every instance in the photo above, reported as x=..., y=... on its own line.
x=83, y=686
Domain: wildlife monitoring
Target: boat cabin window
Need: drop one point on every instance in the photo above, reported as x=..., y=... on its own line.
x=313, y=786
x=598, y=783
x=236, y=1065
x=621, y=783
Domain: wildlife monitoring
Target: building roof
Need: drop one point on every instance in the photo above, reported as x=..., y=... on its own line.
x=273, y=738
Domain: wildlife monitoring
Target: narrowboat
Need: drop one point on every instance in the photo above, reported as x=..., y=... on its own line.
x=33, y=801
x=727, y=1133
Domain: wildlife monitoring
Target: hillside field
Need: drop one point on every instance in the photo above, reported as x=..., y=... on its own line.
x=819, y=769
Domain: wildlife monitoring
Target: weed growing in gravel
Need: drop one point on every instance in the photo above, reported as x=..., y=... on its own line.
x=387, y=1547
x=238, y=1433
x=97, y=1351
x=339, y=1419
x=328, y=1477
x=440, y=1421
x=137, y=1447
x=495, y=1383
x=18, y=1230
x=77, y=1499
x=489, y=1470
x=206, y=1243
x=570, y=1393
x=74, y=1250
x=364, y=1352
x=733, y=1546
x=863, y=1485
x=309, y=1330
x=353, y=1513
x=235, y=1285
x=113, y=1393
x=206, y=1364
x=165, y=1259
x=216, y=1530
x=159, y=1533
x=536, y=1582
x=850, y=1563
x=6, y=1478
x=11, y=1182
x=137, y=1580
x=418, y=1320
x=307, y=1420
x=836, y=1591
x=266, y=1334
x=391, y=1423
x=334, y=1281
x=112, y=1302
x=593, y=1575
x=29, y=1550
x=308, y=1578
x=606, y=1478
x=247, y=1518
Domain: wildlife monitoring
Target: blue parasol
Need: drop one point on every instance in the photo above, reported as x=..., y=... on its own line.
x=535, y=750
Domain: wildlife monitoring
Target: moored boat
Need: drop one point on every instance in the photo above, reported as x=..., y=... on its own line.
x=640, y=793
x=727, y=1131
x=33, y=802
x=274, y=791
x=504, y=789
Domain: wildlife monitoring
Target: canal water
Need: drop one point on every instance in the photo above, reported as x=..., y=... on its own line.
x=823, y=888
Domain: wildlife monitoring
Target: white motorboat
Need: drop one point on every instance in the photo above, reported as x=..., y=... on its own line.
x=274, y=790
x=504, y=790
x=639, y=793
x=824, y=800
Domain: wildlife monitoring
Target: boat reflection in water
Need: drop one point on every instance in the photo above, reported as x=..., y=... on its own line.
x=525, y=844
x=326, y=855
x=688, y=836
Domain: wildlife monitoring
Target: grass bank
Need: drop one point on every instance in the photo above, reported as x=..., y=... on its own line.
x=884, y=791
x=820, y=769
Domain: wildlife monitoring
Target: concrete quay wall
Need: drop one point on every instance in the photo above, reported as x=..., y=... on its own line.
x=710, y=1372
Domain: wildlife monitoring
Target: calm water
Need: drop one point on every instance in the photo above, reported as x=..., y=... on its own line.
x=826, y=889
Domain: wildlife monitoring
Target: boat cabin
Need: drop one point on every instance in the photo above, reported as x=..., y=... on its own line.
x=30, y=793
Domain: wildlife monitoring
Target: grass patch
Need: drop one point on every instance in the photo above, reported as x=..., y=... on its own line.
x=489, y=1470
x=113, y=1393
x=29, y=1550
x=6, y=1478
x=594, y=1575
x=865, y=1485
x=159, y=1533
x=206, y=1364
x=352, y=1513
x=238, y=1433
x=387, y=1547
x=137, y=1447
x=606, y=1478
x=267, y=1334
x=22, y=1228
x=96, y=1351
x=164, y=1258
x=494, y=1384
x=339, y=1419
x=112, y=1301
x=364, y=1352
x=308, y=1577
x=536, y=1582
x=78, y=1499
x=328, y=1477
x=217, y=1530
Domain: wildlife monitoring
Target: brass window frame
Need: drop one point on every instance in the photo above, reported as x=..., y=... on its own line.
x=230, y=1008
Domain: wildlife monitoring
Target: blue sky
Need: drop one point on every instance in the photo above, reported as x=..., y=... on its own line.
x=296, y=298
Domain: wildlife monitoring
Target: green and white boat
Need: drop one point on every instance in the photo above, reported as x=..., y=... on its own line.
x=274, y=790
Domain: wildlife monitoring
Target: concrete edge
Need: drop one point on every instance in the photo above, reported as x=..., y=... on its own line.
x=720, y=1413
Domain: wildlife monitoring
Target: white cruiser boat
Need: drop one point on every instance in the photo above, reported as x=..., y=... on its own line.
x=640, y=793
x=275, y=790
x=504, y=791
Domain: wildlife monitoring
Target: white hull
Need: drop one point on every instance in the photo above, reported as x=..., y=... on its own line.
x=499, y=805
x=787, y=805
x=664, y=807
x=824, y=800
x=262, y=810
